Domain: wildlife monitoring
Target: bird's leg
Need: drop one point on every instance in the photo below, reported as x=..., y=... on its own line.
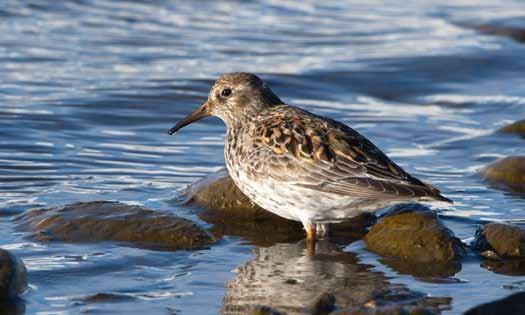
x=311, y=234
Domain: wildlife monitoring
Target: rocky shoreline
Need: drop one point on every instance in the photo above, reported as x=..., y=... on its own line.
x=409, y=238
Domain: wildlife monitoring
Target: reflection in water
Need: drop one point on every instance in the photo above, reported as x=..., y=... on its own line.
x=287, y=279
x=511, y=267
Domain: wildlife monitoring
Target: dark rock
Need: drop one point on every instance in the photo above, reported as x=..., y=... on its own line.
x=517, y=127
x=127, y=225
x=508, y=172
x=323, y=304
x=12, y=307
x=505, y=240
x=511, y=305
x=104, y=298
x=12, y=276
x=222, y=204
x=515, y=33
x=414, y=233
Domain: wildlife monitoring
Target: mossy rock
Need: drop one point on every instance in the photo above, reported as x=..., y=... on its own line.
x=128, y=225
x=508, y=172
x=12, y=276
x=414, y=233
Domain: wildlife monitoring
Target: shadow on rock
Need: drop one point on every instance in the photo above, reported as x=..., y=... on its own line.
x=285, y=279
x=127, y=225
x=222, y=204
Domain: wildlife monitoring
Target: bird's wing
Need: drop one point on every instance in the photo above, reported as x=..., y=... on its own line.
x=325, y=155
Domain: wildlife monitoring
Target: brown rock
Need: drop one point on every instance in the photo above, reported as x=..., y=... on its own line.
x=414, y=233
x=12, y=276
x=506, y=240
x=218, y=192
x=128, y=225
x=517, y=127
x=508, y=172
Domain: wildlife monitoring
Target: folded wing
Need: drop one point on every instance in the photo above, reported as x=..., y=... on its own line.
x=324, y=155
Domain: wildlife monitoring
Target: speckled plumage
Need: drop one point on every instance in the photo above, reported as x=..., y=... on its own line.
x=299, y=165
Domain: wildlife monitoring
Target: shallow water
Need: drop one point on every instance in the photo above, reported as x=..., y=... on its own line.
x=88, y=90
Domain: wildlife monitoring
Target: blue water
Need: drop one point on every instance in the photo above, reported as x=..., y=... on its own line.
x=88, y=90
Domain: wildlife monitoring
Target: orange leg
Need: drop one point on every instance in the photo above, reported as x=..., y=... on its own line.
x=311, y=233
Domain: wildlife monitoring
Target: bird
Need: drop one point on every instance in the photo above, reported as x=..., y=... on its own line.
x=299, y=165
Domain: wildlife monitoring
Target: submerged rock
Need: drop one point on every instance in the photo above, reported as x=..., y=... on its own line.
x=415, y=234
x=12, y=276
x=517, y=127
x=100, y=221
x=513, y=32
x=505, y=240
x=509, y=172
x=232, y=213
x=511, y=305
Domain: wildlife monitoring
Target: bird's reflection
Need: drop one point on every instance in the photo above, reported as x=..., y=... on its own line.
x=289, y=280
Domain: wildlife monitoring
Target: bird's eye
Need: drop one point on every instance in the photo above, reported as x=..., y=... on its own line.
x=226, y=92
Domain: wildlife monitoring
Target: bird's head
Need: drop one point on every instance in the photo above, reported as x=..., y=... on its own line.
x=233, y=97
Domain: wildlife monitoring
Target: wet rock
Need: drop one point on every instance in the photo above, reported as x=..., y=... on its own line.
x=517, y=127
x=508, y=172
x=504, y=240
x=232, y=213
x=12, y=276
x=289, y=280
x=414, y=233
x=128, y=225
x=511, y=305
x=104, y=298
x=513, y=32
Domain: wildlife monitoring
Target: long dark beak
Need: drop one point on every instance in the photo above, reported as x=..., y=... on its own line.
x=198, y=114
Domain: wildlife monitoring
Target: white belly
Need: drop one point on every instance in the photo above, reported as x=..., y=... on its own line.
x=294, y=202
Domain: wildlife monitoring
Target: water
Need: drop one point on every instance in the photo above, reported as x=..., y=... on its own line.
x=88, y=90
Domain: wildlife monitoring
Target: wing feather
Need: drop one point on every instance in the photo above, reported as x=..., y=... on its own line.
x=325, y=155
